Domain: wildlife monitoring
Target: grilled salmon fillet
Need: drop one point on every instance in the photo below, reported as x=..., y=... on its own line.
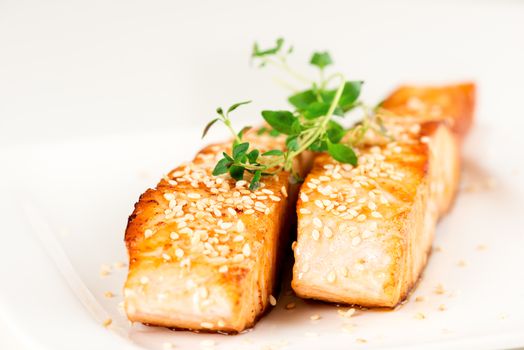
x=203, y=250
x=365, y=232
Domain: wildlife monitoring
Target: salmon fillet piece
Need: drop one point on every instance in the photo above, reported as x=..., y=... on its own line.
x=365, y=232
x=203, y=250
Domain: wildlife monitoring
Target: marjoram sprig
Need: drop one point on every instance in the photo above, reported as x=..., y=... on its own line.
x=311, y=125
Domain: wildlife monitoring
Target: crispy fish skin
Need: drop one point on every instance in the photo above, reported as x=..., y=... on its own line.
x=203, y=250
x=365, y=232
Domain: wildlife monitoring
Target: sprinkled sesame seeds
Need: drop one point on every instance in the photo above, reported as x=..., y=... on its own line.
x=361, y=217
x=246, y=250
x=420, y=316
x=148, y=233
x=144, y=280
x=223, y=269
x=109, y=294
x=348, y=313
x=376, y=214
x=331, y=277
x=315, y=234
x=283, y=190
x=194, y=195
x=356, y=240
x=179, y=253
x=166, y=256
x=107, y=322
x=304, y=211
x=317, y=222
x=290, y=306
x=314, y=317
x=207, y=325
x=272, y=300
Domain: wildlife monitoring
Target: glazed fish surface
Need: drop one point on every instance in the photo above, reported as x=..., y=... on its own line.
x=365, y=232
x=203, y=249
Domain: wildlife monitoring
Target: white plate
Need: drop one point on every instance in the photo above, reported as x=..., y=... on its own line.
x=71, y=72
x=65, y=207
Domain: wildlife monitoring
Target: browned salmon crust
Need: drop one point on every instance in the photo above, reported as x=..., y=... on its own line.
x=203, y=250
x=364, y=232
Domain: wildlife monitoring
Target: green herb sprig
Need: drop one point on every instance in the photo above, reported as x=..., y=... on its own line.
x=309, y=126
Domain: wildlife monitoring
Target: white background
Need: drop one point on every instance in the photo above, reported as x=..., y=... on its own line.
x=71, y=69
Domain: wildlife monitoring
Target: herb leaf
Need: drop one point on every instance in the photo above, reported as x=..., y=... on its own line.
x=221, y=167
x=321, y=59
x=255, y=181
x=208, y=126
x=282, y=121
x=236, y=172
x=274, y=152
x=257, y=52
x=236, y=105
x=240, y=150
x=303, y=99
x=342, y=153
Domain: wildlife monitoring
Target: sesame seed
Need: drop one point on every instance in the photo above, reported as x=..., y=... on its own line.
x=240, y=183
x=327, y=232
x=109, y=294
x=144, y=280
x=348, y=313
x=167, y=346
x=107, y=322
x=207, y=325
x=361, y=217
x=439, y=289
x=246, y=249
x=221, y=323
x=424, y=139
x=367, y=234
x=148, y=233
x=372, y=205
x=179, y=253
x=442, y=307
x=249, y=211
x=419, y=299
x=331, y=277
x=315, y=234
x=420, y=316
x=223, y=269
x=193, y=195
x=356, y=241
x=311, y=185
x=319, y=204
x=272, y=300
x=314, y=317
x=361, y=340
x=376, y=214
x=231, y=211
x=225, y=225
x=274, y=198
x=166, y=256
x=290, y=306
x=238, y=258
x=283, y=191
x=317, y=222
x=305, y=211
